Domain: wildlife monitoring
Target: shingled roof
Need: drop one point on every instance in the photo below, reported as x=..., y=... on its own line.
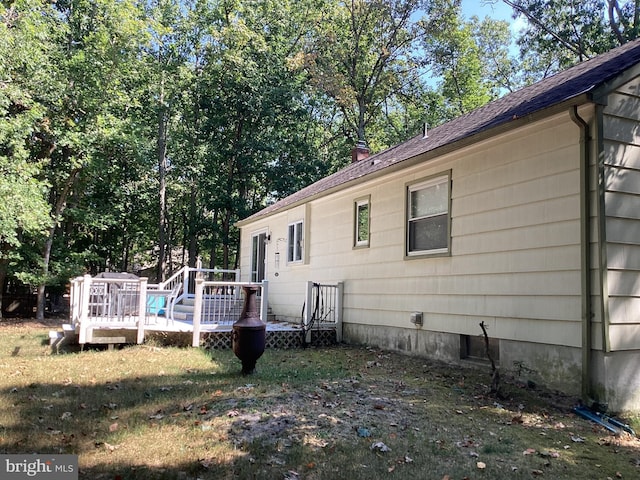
x=571, y=84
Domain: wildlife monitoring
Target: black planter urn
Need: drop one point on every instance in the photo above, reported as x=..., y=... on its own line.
x=249, y=332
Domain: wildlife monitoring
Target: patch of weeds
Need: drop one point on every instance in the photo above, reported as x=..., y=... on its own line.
x=501, y=446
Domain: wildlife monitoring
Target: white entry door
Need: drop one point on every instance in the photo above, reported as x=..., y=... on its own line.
x=258, y=256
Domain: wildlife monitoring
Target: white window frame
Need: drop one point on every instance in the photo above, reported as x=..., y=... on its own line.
x=295, y=242
x=358, y=204
x=434, y=182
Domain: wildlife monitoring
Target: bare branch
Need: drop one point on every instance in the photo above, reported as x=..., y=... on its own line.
x=537, y=22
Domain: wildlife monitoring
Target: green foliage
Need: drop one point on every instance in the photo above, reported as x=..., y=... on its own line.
x=363, y=60
x=23, y=208
x=470, y=57
x=560, y=33
x=127, y=123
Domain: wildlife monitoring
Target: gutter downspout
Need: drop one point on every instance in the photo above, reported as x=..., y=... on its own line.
x=585, y=250
x=601, y=225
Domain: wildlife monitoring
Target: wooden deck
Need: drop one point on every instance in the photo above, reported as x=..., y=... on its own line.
x=120, y=308
x=280, y=335
x=185, y=326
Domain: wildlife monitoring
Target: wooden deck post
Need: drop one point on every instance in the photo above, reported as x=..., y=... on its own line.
x=308, y=311
x=264, y=301
x=185, y=282
x=197, y=312
x=84, y=309
x=142, y=309
x=339, y=294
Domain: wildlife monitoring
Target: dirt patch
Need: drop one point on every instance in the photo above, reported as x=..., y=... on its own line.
x=379, y=401
x=410, y=413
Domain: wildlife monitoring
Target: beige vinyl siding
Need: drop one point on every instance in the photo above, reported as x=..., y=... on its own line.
x=515, y=260
x=515, y=247
x=621, y=134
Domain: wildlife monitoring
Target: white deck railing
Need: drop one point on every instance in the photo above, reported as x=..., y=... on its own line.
x=218, y=299
x=131, y=302
x=323, y=308
x=108, y=303
x=221, y=303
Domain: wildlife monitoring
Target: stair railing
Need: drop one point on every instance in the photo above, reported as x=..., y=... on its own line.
x=182, y=284
x=203, y=286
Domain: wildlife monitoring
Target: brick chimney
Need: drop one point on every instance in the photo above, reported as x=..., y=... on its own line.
x=360, y=152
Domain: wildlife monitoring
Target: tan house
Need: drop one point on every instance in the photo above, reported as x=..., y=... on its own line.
x=523, y=214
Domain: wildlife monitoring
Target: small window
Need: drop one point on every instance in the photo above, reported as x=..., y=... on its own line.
x=428, y=216
x=361, y=222
x=295, y=242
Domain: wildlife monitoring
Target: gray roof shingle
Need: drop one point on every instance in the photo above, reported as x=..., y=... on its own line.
x=582, y=78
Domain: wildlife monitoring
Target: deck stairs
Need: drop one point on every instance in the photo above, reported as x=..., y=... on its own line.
x=211, y=311
x=67, y=336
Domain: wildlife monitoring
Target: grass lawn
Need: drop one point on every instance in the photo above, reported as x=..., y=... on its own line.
x=149, y=412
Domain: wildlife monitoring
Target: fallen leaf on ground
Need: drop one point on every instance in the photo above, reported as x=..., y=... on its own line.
x=547, y=453
x=110, y=447
x=380, y=447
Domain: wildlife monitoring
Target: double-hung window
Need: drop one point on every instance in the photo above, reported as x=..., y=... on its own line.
x=361, y=223
x=295, y=242
x=428, y=216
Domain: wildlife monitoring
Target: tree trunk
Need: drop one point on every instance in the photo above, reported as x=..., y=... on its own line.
x=193, y=224
x=4, y=265
x=58, y=209
x=46, y=256
x=192, y=228
x=226, y=225
x=162, y=187
x=214, y=241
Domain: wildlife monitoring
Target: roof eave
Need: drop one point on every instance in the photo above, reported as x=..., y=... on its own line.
x=601, y=92
x=482, y=135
